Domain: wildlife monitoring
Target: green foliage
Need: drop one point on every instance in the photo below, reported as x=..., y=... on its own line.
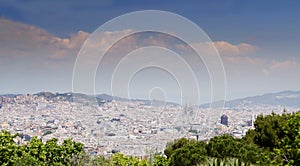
x=185, y=152
x=177, y=144
x=226, y=146
x=9, y=151
x=119, y=159
x=190, y=154
x=269, y=130
x=288, y=149
x=28, y=160
x=224, y=162
x=36, y=153
x=278, y=136
x=161, y=161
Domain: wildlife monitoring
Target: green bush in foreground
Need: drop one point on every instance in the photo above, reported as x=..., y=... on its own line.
x=37, y=153
x=278, y=136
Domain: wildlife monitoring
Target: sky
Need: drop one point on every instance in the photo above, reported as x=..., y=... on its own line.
x=258, y=42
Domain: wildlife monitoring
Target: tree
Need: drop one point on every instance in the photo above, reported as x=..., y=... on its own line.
x=269, y=130
x=185, y=151
x=279, y=136
x=226, y=146
x=161, y=161
x=176, y=144
x=190, y=154
x=36, y=153
x=288, y=149
x=224, y=162
x=119, y=159
x=9, y=151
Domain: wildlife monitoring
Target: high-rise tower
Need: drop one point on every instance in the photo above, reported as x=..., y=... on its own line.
x=224, y=120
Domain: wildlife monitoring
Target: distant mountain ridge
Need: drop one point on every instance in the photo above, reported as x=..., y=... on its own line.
x=284, y=98
x=101, y=99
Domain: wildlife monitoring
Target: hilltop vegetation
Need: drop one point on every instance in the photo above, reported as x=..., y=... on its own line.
x=274, y=141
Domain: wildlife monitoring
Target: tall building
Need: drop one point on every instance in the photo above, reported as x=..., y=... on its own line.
x=224, y=120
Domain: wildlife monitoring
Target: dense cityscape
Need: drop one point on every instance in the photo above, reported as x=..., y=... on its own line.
x=130, y=127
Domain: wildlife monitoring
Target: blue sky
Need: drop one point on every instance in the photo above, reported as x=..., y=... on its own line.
x=232, y=20
x=269, y=26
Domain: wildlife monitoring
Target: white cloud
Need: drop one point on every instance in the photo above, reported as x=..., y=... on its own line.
x=281, y=66
x=226, y=48
x=22, y=40
x=233, y=56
